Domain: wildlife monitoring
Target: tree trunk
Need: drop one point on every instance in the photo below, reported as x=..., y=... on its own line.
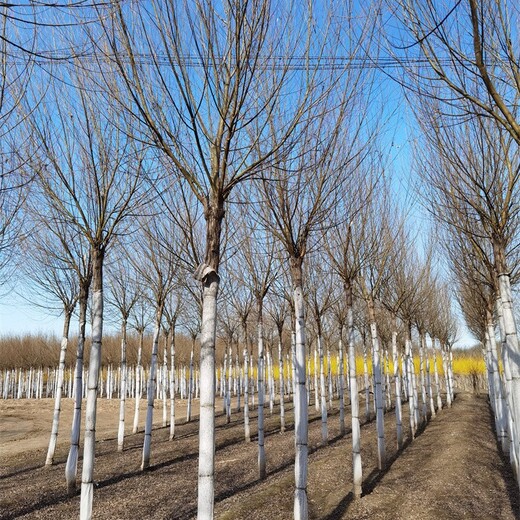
x=138, y=375
x=511, y=338
x=397, y=382
x=323, y=395
x=366, y=379
x=281, y=383
x=121, y=430
x=409, y=371
x=357, y=469
x=190, y=384
x=513, y=455
x=381, y=451
x=436, y=375
x=301, y=431
x=341, y=385
x=207, y=274
x=424, y=409
x=261, y=393
x=206, y=470
x=172, y=382
x=71, y=466
x=152, y=385
x=247, y=429
x=89, y=449
x=59, y=390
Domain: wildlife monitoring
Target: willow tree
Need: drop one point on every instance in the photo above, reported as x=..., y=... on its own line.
x=203, y=96
x=90, y=172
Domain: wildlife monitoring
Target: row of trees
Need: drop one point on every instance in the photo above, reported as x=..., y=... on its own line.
x=466, y=98
x=240, y=142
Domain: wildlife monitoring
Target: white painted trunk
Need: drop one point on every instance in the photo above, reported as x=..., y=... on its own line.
x=261, y=397
x=329, y=379
x=357, y=476
x=411, y=401
x=247, y=429
x=89, y=448
x=281, y=385
x=190, y=388
x=512, y=347
x=323, y=396
x=316, y=388
x=424, y=409
x=172, y=384
x=206, y=471
x=293, y=363
x=57, y=399
x=151, y=391
x=397, y=382
x=341, y=388
x=436, y=375
x=138, y=390
x=122, y=398
x=513, y=456
x=164, y=387
x=300, y=410
x=446, y=375
x=366, y=381
x=380, y=426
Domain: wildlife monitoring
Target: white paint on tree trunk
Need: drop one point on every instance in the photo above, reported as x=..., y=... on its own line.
x=206, y=470
x=300, y=410
x=59, y=390
x=357, y=470
x=89, y=448
x=152, y=384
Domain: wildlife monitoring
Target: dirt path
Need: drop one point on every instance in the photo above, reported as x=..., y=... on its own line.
x=452, y=470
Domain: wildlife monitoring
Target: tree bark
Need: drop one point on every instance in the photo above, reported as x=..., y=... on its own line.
x=71, y=466
x=380, y=426
x=397, y=382
x=172, y=382
x=152, y=385
x=357, y=469
x=59, y=389
x=261, y=393
x=122, y=399
x=89, y=449
x=300, y=398
x=281, y=383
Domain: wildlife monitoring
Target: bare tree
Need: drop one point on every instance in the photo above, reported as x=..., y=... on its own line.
x=157, y=267
x=124, y=294
x=91, y=174
x=203, y=84
x=49, y=269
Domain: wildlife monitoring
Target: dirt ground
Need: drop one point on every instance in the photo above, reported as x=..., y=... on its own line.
x=452, y=470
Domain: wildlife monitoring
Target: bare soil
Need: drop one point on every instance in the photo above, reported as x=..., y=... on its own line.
x=452, y=470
